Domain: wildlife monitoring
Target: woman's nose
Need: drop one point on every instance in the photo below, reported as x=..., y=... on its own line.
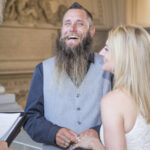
x=102, y=52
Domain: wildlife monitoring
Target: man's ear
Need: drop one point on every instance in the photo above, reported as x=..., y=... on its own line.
x=92, y=31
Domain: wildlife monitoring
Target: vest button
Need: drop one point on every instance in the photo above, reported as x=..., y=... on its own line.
x=78, y=95
x=79, y=123
x=78, y=108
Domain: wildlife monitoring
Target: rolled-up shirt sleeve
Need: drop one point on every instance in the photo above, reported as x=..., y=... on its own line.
x=39, y=129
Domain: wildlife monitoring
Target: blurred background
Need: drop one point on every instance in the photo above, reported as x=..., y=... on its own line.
x=29, y=29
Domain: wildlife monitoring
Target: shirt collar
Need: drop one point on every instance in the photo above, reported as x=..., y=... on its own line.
x=91, y=58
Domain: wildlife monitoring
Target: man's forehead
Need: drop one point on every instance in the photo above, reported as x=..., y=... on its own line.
x=75, y=13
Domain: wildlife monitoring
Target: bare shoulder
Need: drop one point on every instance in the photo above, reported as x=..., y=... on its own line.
x=114, y=100
x=112, y=113
x=113, y=97
x=112, y=110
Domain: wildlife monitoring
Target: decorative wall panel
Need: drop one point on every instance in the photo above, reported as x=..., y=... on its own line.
x=138, y=12
x=22, y=48
x=47, y=13
x=17, y=84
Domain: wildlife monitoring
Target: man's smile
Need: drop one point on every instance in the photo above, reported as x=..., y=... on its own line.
x=72, y=37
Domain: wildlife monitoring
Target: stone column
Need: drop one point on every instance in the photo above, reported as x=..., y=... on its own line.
x=2, y=5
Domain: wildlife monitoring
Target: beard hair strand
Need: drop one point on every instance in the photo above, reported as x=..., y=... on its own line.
x=72, y=61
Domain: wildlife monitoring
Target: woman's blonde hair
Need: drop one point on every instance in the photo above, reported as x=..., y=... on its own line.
x=130, y=47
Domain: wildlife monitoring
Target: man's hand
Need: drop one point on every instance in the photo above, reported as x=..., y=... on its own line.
x=89, y=132
x=4, y=146
x=65, y=136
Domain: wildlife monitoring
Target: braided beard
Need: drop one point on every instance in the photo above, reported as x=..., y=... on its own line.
x=73, y=60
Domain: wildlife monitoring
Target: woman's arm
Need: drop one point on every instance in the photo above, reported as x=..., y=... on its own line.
x=112, y=108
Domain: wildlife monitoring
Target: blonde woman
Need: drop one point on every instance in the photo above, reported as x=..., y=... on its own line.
x=125, y=110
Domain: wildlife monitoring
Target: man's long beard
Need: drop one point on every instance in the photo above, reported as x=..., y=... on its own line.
x=73, y=61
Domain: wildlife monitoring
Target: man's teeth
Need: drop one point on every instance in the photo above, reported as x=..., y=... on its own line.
x=73, y=37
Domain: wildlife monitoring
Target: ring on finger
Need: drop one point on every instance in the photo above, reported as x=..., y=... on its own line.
x=64, y=143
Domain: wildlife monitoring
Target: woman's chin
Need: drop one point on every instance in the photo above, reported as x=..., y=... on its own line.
x=107, y=69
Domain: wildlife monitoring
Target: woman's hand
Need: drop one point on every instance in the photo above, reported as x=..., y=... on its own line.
x=88, y=142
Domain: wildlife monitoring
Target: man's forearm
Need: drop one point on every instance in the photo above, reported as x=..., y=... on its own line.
x=41, y=130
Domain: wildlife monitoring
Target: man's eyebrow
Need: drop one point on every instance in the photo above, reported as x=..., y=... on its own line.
x=68, y=20
x=79, y=20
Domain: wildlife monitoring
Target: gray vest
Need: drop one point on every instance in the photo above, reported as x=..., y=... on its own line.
x=75, y=108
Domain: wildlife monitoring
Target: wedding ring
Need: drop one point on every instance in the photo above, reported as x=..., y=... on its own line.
x=78, y=139
x=64, y=143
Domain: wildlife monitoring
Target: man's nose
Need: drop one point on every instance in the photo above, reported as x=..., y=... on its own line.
x=73, y=28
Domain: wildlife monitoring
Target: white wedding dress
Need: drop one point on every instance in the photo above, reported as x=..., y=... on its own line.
x=138, y=138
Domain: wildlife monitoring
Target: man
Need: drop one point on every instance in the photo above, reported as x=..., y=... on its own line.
x=64, y=99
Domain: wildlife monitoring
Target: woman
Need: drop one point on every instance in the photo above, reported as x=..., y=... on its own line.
x=125, y=110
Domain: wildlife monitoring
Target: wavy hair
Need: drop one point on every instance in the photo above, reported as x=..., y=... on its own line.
x=130, y=48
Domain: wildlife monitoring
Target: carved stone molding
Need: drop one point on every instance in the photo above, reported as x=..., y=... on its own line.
x=33, y=12
x=49, y=13
x=17, y=84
